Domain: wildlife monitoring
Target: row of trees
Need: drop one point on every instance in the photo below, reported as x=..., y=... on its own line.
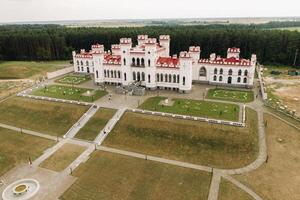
x=52, y=42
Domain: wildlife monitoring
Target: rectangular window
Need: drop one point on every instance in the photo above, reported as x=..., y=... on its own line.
x=149, y=78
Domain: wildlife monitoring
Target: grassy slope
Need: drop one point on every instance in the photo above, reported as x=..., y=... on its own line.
x=194, y=108
x=113, y=177
x=229, y=191
x=63, y=157
x=57, y=91
x=95, y=124
x=189, y=141
x=279, y=178
x=47, y=117
x=26, y=69
x=16, y=148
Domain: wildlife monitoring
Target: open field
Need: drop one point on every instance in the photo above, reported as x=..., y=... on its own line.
x=185, y=140
x=283, y=72
x=229, y=191
x=63, y=157
x=95, y=124
x=279, y=178
x=70, y=93
x=43, y=116
x=74, y=79
x=193, y=107
x=8, y=88
x=27, y=69
x=113, y=177
x=231, y=95
x=16, y=148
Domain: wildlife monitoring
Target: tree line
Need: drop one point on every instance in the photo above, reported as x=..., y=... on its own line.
x=55, y=42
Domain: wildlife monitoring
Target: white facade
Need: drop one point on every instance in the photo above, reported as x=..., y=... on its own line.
x=149, y=63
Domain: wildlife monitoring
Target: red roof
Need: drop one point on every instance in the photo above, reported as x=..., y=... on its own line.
x=112, y=59
x=167, y=62
x=226, y=61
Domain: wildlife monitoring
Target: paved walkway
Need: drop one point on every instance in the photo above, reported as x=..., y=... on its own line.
x=109, y=126
x=214, y=185
x=82, y=121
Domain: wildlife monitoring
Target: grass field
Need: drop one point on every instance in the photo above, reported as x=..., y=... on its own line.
x=113, y=177
x=231, y=95
x=229, y=191
x=283, y=69
x=74, y=79
x=27, y=69
x=194, y=107
x=190, y=141
x=8, y=88
x=16, y=148
x=63, y=157
x=95, y=124
x=70, y=93
x=278, y=178
x=43, y=116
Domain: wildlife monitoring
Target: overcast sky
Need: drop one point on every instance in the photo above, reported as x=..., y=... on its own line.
x=50, y=10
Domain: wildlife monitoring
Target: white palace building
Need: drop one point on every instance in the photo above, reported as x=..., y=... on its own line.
x=150, y=64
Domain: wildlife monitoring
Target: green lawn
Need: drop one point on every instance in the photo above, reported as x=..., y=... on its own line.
x=63, y=157
x=231, y=95
x=74, y=79
x=229, y=191
x=95, y=124
x=43, y=116
x=199, y=108
x=27, y=69
x=16, y=148
x=114, y=177
x=283, y=69
x=186, y=140
x=70, y=93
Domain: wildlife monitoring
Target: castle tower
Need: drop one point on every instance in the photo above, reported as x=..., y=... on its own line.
x=164, y=41
x=97, y=48
x=150, y=59
x=125, y=46
x=186, y=71
x=195, y=52
x=233, y=52
x=98, y=58
x=142, y=39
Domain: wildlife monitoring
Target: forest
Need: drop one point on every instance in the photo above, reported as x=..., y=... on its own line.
x=56, y=42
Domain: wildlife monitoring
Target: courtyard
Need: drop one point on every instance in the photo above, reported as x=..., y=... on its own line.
x=244, y=96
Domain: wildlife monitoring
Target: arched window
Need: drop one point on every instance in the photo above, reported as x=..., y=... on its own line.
x=215, y=78
x=143, y=76
x=221, y=71
x=157, y=77
x=119, y=74
x=183, y=80
x=115, y=74
x=82, y=69
x=220, y=78
x=125, y=77
x=149, y=78
x=170, y=78
x=166, y=77
x=245, y=80
x=177, y=78
x=111, y=73
x=138, y=76
x=215, y=71
x=77, y=62
x=174, y=78
x=240, y=72
x=97, y=74
x=138, y=62
x=230, y=72
x=87, y=63
x=149, y=62
x=143, y=62
x=239, y=79
x=81, y=63
x=133, y=61
x=134, y=76
x=78, y=68
x=104, y=73
x=202, y=71
x=246, y=73
x=124, y=61
x=108, y=74
x=229, y=80
x=161, y=78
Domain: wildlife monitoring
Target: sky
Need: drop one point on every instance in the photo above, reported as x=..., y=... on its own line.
x=54, y=10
